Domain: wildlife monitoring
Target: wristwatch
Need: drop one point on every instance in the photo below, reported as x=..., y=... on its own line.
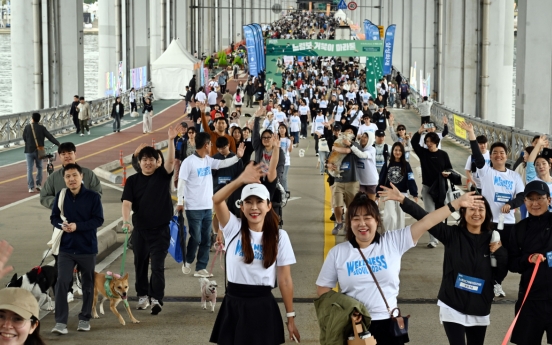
x=451, y=208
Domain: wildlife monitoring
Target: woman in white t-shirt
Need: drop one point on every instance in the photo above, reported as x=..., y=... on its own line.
x=257, y=252
x=286, y=144
x=345, y=264
x=538, y=166
x=238, y=100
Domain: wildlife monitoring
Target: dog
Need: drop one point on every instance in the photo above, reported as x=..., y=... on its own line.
x=208, y=293
x=335, y=157
x=118, y=288
x=38, y=281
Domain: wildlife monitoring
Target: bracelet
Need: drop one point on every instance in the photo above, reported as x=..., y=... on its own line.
x=292, y=314
x=126, y=222
x=451, y=208
x=529, y=259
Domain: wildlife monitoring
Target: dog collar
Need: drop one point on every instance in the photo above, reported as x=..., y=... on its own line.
x=107, y=288
x=38, y=269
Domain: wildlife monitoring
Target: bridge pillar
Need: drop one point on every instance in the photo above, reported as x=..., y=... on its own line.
x=106, y=42
x=22, y=50
x=534, y=66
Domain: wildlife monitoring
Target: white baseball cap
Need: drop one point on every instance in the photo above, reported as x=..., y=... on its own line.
x=255, y=189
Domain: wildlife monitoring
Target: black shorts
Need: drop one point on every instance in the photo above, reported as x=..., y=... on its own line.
x=535, y=318
x=404, y=95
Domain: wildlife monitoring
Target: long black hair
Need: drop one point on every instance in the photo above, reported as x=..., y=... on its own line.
x=402, y=160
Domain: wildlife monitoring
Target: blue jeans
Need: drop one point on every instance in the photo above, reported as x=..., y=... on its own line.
x=32, y=158
x=295, y=137
x=199, y=223
x=284, y=178
x=322, y=155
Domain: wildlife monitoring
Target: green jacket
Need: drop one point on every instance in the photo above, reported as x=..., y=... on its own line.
x=55, y=183
x=334, y=311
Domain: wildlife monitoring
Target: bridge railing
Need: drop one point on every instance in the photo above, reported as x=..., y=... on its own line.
x=516, y=139
x=58, y=120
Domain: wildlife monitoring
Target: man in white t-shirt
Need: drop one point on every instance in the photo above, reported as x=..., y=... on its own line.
x=367, y=126
x=200, y=96
x=471, y=171
x=212, y=98
x=425, y=109
x=195, y=193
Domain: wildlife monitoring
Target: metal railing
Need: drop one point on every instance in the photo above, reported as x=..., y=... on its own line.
x=58, y=120
x=516, y=139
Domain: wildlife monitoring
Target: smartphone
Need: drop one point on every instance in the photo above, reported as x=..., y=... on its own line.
x=546, y=153
x=428, y=125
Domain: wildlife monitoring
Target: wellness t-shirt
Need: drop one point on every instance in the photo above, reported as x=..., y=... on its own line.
x=197, y=174
x=345, y=266
x=254, y=273
x=475, y=175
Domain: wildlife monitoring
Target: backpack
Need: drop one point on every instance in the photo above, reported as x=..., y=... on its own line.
x=238, y=98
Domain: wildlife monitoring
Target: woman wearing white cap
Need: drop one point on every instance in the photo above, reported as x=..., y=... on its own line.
x=19, y=323
x=257, y=253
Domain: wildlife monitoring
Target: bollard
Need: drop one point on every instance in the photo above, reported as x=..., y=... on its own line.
x=121, y=158
x=124, y=176
x=153, y=143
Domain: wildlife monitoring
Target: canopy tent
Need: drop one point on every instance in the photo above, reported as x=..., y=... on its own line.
x=172, y=71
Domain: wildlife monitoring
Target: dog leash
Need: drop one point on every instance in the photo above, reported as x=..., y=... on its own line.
x=219, y=247
x=511, y=329
x=125, y=230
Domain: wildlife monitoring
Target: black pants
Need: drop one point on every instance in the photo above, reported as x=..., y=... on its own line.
x=304, y=124
x=381, y=330
x=223, y=89
x=457, y=334
x=76, y=122
x=425, y=119
x=150, y=243
x=316, y=143
x=66, y=263
x=133, y=106
x=535, y=319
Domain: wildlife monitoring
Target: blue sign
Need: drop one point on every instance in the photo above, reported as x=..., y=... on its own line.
x=342, y=5
x=260, y=47
x=251, y=50
x=469, y=284
x=388, y=49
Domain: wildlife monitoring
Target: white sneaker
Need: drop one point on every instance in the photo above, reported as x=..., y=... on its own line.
x=82, y=134
x=202, y=274
x=498, y=292
x=432, y=244
x=155, y=307
x=70, y=297
x=143, y=303
x=31, y=190
x=88, y=132
x=186, y=268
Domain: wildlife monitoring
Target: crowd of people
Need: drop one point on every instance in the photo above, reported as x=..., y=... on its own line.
x=230, y=173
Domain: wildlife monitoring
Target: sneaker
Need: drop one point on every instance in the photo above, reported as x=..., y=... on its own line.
x=498, y=292
x=70, y=297
x=332, y=217
x=60, y=328
x=186, y=268
x=82, y=134
x=432, y=244
x=31, y=190
x=202, y=274
x=337, y=227
x=143, y=303
x=38, y=188
x=317, y=154
x=83, y=326
x=155, y=307
x=88, y=132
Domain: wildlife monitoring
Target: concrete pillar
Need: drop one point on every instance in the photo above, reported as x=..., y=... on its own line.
x=400, y=65
x=418, y=47
x=452, y=80
x=533, y=61
x=71, y=51
x=155, y=30
x=501, y=59
x=106, y=42
x=23, y=96
x=141, y=32
x=470, y=57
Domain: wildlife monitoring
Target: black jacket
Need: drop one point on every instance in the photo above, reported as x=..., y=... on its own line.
x=250, y=89
x=121, y=110
x=41, y=133
x=530, y=236
x=467, y=254
x=195, y=114
x=73, y=110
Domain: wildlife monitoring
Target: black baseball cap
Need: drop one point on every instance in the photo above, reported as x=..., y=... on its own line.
x=538, y=187
x=337, y=127
x=380, y=133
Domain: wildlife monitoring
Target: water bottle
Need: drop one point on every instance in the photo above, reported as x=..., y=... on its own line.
x=500, y=222
x=495, y=237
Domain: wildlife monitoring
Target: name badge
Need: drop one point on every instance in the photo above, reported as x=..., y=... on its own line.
x=469, y=284
x=224, y=179
x=360, y=165
x=502, y=197
x=345, y=166
x=381, y=120
x=549, y=258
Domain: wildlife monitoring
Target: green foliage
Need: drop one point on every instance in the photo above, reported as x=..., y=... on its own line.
x=207, y=60
x=222, y=62
x=221, y=54
x=238, y=61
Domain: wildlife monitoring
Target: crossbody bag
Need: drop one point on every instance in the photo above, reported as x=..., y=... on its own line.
x=40, y=149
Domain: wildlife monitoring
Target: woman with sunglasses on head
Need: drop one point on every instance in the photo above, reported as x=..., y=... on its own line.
x=400, y=136
x=474, y=260
x=538, y=166
x=19, y=324
x=345, y=263
x=258, y=254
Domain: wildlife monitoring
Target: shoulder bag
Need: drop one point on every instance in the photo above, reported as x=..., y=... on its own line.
x=399, y=323
x=40, y=149
x=57, y=233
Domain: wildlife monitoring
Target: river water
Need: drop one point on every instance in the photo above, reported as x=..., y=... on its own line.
x=91, y=56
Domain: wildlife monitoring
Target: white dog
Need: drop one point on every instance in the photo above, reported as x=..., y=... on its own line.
x=208, y=293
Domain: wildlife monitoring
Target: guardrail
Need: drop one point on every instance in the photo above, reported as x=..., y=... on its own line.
x=58, y=120
x=516, y=139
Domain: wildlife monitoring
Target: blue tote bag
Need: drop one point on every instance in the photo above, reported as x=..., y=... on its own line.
x=177, y=245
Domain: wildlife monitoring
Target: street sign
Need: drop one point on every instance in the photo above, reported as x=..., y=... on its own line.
x=342, y=5
x=352, y=6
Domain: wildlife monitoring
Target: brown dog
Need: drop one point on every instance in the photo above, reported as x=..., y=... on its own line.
x=118, y=288
x=335, y=157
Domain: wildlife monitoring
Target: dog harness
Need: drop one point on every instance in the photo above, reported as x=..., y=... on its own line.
x=108, y=277
x=38, y=269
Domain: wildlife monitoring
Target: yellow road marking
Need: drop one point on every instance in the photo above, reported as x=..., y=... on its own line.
x=329, y=239
x=179, y=119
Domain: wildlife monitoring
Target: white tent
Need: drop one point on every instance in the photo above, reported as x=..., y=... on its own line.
x=172, y=71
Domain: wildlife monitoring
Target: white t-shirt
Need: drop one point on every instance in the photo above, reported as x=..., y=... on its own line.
x=345, y=266
x=200, y=96
x=365, y=96
x=498, y=188
x=295, y=124
x=338, y=112
x=372, y=127
x=356, y=121
x=448, y=314
x=323, y=104
x=280, y=116
x=196, y=172
x=212, y=98
x=285, y=143
x=271, y=124
x=475, y=175
x=254, y=273
x=351, y=95
x=303, y=110
x=366, y=168
x=318, y=124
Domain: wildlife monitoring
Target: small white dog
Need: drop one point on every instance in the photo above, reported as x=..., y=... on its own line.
x=208, y=293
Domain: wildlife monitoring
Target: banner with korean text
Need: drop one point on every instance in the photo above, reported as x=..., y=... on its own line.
x=388, y=49
x=251, y=47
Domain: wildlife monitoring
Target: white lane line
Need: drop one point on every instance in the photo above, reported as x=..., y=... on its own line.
x=112, y=186
x=19, y=202
x=294, y=198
